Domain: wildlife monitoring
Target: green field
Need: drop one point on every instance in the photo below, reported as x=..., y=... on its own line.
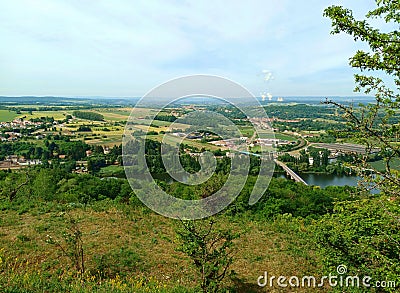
x=247, y=130
x=6, y=115
x=380, y=165
x=170, y=139
x=111, y=170
x=284, y=137
x=270, y=134
x=57, y=115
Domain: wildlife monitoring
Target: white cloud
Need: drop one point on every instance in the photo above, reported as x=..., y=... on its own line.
x=125, y=47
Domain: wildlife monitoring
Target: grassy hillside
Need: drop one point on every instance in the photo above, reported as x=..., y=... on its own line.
x=131, y=249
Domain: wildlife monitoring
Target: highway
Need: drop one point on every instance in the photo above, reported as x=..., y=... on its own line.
x=343, y=147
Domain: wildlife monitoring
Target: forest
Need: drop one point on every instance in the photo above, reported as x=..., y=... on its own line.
x=88, y=115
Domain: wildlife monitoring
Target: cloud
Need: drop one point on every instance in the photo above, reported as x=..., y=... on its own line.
x=124, y=47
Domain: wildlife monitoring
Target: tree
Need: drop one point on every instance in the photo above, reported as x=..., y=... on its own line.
x=88, y=115
x=95, y=163
x=210, y=250
x=13, y=185
x=376, y=125
x=73, y=247
x=325, y=157
x=364, y=234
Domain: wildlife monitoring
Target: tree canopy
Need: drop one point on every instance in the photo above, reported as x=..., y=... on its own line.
x=376, y=124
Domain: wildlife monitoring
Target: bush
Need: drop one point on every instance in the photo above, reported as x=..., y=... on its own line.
x=363, y=235
x=119, y=262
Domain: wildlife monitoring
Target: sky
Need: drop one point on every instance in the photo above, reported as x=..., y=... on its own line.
x=124, y=48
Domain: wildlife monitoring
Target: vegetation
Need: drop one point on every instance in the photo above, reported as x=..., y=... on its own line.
x=69, y=207
x=88, y=115
x=373, y=124
x=169, y=118
x=73, y=223
x=364, y=234
x=210, y=250
x=7, y=115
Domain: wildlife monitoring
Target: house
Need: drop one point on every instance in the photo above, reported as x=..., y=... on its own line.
x=230, y=155
x=30, y=163
x=13, y=159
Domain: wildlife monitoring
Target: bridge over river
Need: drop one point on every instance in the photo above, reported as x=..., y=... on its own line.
x=290, y=172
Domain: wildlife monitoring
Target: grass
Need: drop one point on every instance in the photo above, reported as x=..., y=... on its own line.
x=111, y=170
x=57, y=115
x=122, y=114
x=6, y=115
x=247, y=130
x=380, y=165
x=133, y=249
x=113, y=135
x=171, y=139
x=110, y=114
x=285, y=137
x=270, y=134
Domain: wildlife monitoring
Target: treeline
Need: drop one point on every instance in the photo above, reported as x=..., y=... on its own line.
x=55, y=183
x=297, y=111
x=308, y=125
x=73, y=151
x=317, y=160
x=88, y=115
x=314, y=159
x=169, y=118
x=228, y=111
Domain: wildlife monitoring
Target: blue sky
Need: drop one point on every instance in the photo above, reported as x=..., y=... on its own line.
x=125, y=48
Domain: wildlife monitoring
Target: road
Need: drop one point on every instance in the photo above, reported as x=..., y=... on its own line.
x=290, y=172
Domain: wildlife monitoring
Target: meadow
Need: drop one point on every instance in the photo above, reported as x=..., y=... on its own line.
x=381, y=165
x=132, y=249
x=6, y=115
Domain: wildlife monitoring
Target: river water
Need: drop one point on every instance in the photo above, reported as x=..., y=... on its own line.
x=324, y=180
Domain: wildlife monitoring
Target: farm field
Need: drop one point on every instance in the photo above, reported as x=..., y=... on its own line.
x=247, y=130
x=6, y=115
x=171, y=139
x=57, y=115
x=110, y=114
x=270, y=134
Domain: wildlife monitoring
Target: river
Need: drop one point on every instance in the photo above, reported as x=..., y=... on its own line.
x=324, y=180
x=321, y=180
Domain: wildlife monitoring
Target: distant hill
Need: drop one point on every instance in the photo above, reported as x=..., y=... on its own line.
x=118, y=101
x=66, y=101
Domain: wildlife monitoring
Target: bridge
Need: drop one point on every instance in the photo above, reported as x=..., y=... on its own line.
x=290, y=172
